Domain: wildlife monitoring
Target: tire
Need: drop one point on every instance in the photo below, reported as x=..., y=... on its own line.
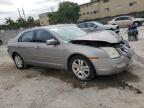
x=1, y=43
x=19, y=62
x=136, y=38
x=137, y=23
x=76, y=66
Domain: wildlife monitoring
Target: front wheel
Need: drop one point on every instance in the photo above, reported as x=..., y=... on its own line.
x=19, y=62
x=137, y=24
x=82, y=68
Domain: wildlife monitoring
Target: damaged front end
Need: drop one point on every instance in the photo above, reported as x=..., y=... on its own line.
x=122, y=47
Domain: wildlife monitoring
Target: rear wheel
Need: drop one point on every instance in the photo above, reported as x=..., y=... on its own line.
x=82, y=68
x=19, y=62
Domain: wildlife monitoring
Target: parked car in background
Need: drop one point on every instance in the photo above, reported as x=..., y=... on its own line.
x=70, y=48
x=124, y=21
x=96, y=26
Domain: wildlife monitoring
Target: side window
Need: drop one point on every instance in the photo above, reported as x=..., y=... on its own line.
x=43, y=36
x=82, y=25
x=126, y=18
x=27, y=37
x=122, y=18
x=119, y=18
x=91, y=25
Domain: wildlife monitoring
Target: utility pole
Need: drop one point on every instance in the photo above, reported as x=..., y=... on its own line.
x=19, y=13
x=23, y=13
x=52, y=9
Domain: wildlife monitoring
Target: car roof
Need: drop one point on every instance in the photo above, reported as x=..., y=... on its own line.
x=89, y=22
x=51, y=26
x=123, y=16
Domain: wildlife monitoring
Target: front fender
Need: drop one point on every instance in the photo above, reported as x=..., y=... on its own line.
x=87, y=51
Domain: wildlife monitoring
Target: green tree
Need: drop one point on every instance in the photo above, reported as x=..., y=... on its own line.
x=9, y=21
x=21, y=23
x=11, y=24
x=37, y=22
x=53, y=18
x=30, y=21
x=68, y=12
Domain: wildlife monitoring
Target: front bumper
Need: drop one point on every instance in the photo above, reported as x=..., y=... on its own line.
x=107, y=66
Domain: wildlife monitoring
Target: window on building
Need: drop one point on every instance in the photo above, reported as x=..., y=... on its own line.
x=132, y=3
x=106, y=9
x=105, y=1
x=91, y=13
x=94, y=0
x=82, y=6
x=87, y=12
x=83, y=13
x=90, y=4
x=95, y=12
x=119, y=6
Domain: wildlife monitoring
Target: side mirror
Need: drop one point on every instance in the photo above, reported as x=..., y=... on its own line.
x=95, y=26
x=51, y=42
x=131, y=18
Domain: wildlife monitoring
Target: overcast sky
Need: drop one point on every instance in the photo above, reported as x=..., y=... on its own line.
x=9, y=8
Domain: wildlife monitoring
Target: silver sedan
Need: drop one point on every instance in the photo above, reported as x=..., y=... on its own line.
x=68, y=47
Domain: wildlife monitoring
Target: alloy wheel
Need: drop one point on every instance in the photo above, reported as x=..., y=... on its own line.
x=80, y=68
x=18, y=61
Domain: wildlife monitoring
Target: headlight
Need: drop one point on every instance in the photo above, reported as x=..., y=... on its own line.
x=112, y=52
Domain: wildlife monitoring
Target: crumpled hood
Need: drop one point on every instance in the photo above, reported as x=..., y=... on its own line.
x=105, y=36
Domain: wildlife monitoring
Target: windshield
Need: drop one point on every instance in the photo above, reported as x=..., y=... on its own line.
x=98, y=24
x=68, y=33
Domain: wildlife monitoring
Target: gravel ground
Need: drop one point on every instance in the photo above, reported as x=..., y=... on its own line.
x=48, y=88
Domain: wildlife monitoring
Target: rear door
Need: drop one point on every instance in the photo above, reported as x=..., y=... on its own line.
x=26, y=46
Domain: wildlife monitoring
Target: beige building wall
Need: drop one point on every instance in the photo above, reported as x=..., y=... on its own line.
x=101, y=9
x=44, y=19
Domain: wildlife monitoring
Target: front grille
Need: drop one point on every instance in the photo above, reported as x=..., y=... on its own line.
x=123, y=49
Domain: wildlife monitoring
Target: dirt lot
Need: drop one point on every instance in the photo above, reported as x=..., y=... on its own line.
x=48, y=88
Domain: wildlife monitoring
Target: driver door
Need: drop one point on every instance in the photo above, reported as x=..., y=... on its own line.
x=51, y=55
